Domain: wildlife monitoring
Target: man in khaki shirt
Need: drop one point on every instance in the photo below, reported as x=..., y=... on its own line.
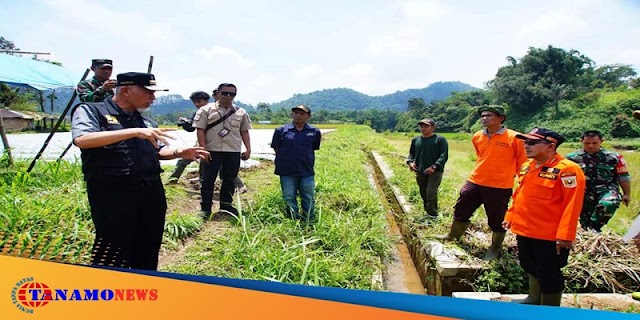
x=224, y=142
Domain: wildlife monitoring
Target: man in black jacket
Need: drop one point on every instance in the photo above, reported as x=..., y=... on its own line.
x=121, y=150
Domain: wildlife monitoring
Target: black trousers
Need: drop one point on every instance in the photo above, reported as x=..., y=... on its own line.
x=540, y=259
x=228, y=164
x=129, y=219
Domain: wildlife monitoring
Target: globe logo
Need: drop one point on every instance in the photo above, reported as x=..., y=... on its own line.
x=25, y=297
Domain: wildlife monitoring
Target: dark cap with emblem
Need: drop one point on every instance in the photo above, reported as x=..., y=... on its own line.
x=146, y=80
x=542, y=134
x=101, y=63
x=302, y=107
x=499, y=110
x=427, y=121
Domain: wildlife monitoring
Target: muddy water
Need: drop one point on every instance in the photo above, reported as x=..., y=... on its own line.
x=401, y=274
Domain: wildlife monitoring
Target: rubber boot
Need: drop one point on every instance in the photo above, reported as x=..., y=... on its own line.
x=457, y=230
x=534, y=292
x=551, y=299
x=496, y=245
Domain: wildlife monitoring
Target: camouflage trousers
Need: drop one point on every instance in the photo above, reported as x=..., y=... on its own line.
x=599, y=206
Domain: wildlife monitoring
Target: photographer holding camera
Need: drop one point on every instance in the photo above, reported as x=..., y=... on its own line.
x=199, y=99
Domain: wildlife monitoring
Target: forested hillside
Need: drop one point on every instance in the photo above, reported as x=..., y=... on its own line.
x=560, y=89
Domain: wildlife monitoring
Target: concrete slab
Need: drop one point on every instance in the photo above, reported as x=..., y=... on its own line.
x=595, y=301
x=477, y=295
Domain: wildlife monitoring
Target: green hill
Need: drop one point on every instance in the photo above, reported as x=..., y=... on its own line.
x=348, y=99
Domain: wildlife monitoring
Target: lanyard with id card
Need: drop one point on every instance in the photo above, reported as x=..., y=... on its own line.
x=224, y=130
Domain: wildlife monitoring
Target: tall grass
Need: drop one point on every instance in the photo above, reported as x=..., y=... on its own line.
x=45, y=214
x=343, y=249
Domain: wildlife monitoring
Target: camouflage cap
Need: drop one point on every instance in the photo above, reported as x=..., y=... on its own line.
x=146, y=80
x=302, y=107
x=499, y=110
x=101, y=63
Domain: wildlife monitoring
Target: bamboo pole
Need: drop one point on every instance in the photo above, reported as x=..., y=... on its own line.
x=150, y=64
x=55, y=127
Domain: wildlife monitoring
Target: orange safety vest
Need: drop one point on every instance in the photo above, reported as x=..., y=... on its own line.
x=498, y=158
x=547, y=203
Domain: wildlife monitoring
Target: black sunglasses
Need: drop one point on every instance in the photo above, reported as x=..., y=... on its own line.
x=227, y=93
x=531, y=142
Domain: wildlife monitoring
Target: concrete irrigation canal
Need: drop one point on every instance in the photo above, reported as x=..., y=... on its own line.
x=430, y=267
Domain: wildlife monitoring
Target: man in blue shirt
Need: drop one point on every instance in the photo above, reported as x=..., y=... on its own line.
x=294, y=144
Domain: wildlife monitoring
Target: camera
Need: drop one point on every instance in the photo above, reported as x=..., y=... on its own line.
x=183, y=121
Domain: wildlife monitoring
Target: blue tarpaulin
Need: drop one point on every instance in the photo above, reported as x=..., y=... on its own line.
x=26, y=72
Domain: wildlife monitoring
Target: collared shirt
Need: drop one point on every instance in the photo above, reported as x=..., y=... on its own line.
x=91, y=90
x=295, y=150
x=603, y=169
x=498, y=158
x=547, y=203
x=132, y=158
x=237, y=122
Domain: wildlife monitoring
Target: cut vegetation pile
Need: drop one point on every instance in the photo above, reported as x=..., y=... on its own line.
x=602, y=262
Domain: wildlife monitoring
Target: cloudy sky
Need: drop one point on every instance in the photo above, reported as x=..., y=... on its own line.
x=273, y=49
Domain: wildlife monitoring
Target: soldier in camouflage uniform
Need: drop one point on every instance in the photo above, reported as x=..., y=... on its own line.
x=100, y=86
x=606, y=173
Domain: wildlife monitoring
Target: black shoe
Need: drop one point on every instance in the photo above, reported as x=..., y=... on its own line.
x=229, y=210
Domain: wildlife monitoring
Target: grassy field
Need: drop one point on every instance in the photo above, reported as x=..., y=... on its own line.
x=45, y=215
x=343, y=249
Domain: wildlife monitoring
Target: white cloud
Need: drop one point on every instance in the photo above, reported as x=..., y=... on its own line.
x=308, y=71
x=217, y=53
x=274, y=50
x=424, y=9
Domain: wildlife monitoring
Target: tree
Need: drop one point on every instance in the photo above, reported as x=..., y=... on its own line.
x=542, y=78
x=621, y=127
x=613, y=76
x=6, y=44
x=8, y=95
x=417, y=108
x=265, y=110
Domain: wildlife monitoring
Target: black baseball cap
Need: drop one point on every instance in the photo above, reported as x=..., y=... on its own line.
x=101, y=63
x=146, y=80
x=303, y=108
x=542, y=134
